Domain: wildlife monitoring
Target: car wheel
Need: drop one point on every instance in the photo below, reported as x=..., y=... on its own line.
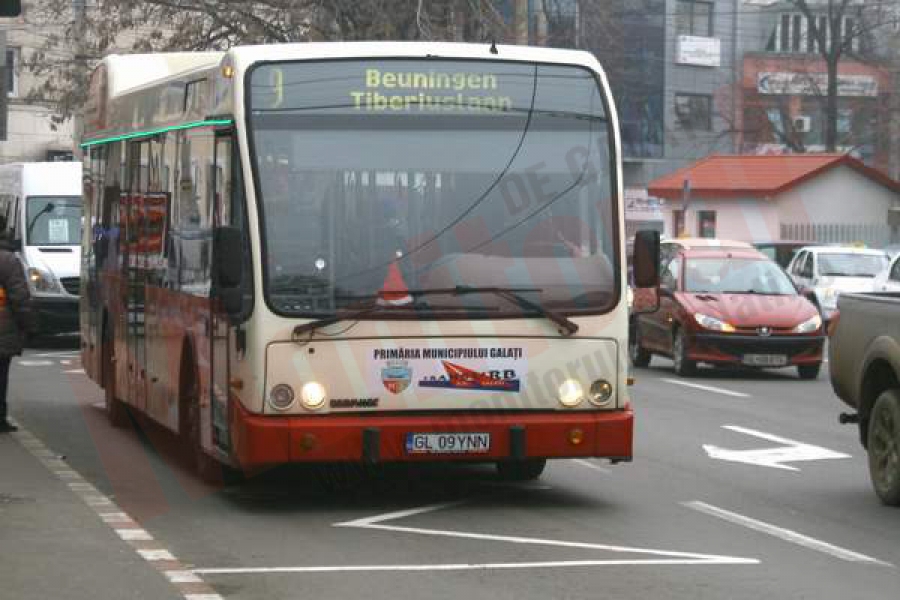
x=884, y=447
x=521, y=470
x=684, y=367
x=809, y=371
x=639, y=356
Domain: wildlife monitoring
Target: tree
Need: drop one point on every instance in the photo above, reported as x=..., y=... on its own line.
x=836, y=31
x=76, y=34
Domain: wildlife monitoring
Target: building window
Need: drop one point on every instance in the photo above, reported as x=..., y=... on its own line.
x=12, y=75
x=694, y=111
x=794, y=33
x=694, y=17
x=706, y=223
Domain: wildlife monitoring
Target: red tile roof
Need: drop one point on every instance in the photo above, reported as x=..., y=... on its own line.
x=723, y=176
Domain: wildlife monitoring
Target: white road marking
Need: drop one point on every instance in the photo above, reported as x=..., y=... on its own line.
x=35, y=363
x=590, y=465
x=790, y=451
x=202, y=597
x=74, y=371
x=134, y=535
x=784, y=534
x=71, y=353
x=65, y=362
x=369, y=521
x=182, y=577
x=708, y=388
x=153, y=555
x=477, y=566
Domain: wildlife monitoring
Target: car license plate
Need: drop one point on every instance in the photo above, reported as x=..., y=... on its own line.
x=765, y=360
x=448, y=443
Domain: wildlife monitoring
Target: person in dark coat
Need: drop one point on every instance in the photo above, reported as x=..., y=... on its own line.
x=15, y=320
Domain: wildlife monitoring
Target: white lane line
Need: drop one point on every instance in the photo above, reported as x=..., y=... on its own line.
x=35, y=363
x=724, y=560
x=80, y=371
x=182, y=577
x=590, y=465
x=377, y=523
x=784, y=534
x=708, y=388
x=71, y=354
x=370, y=521
x=202, y=597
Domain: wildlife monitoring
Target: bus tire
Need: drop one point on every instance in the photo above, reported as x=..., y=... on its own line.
x=116, y=410
x=884, y=447
x=202, y=464
x=527, y=469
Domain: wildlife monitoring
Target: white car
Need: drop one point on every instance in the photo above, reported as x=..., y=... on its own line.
x=889, y=279
x=825, y=272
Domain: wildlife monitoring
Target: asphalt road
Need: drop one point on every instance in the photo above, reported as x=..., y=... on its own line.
x=798, y=520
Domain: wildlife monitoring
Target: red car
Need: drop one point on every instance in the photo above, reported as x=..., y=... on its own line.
x=727, y=306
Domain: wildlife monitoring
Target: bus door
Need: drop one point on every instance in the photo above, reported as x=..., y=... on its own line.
x=227, y=210
x=135, y=273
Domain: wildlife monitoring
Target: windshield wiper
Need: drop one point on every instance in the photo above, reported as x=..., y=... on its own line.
x=514, y=295
x=510, y=294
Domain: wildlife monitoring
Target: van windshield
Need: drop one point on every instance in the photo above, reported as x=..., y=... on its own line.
x=53, y=221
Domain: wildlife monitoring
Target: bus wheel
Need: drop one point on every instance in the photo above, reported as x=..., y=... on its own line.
x=206, y=467
x=521, y=470
x=116, y=410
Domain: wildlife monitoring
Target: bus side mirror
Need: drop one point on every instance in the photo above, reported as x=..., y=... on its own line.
x=646, y=259
x=228, y=259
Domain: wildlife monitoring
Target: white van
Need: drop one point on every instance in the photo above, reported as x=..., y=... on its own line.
x=40, y=218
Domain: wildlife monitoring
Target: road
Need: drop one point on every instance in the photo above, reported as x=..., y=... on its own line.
x=783, y=508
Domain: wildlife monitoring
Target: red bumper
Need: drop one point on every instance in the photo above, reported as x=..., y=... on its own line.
x=259, y=440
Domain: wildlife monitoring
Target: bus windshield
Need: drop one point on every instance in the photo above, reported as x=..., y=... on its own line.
x=53, y=221
x=382, y=176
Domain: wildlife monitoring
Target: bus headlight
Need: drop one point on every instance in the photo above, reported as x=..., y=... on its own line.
x=43, y=281
x=312, y=395
x=570, y=393
x=281, y=397
x=600, y=392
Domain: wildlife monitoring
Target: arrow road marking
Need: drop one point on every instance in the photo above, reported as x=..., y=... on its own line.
x=789, y=451
x=784, y=534
x=378, y=522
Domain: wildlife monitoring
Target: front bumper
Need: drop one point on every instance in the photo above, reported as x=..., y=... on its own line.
x=259, y=440
x=56, y=314
x=731, y=348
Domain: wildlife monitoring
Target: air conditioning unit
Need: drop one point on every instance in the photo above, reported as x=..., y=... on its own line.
x=802, y=124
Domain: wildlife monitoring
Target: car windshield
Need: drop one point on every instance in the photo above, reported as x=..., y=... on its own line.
x=736, y=276
x=53, y=221
x=851, y=264
x=383, y=175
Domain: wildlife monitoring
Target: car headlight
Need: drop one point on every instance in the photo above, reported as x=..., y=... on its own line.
x=41, y=281
x=809, y=325
x=713, y=323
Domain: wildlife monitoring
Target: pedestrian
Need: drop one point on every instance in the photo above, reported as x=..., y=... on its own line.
x=15, y=319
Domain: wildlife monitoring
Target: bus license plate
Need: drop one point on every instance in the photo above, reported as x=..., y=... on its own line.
x=765, y=360
x=448, y=443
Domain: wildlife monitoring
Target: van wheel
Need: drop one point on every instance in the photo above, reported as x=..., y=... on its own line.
x=684, y=367
x=884, y=447
x=116, y=410
x=809, y=371
x=521, y=470
x=639, y=356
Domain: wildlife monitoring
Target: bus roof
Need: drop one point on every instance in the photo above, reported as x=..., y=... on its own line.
x=129, y=72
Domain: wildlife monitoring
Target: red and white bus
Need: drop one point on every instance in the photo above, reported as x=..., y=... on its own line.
x=359, y=252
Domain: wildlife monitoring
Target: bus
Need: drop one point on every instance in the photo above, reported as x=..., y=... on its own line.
x=360, y=253
x=40, y=218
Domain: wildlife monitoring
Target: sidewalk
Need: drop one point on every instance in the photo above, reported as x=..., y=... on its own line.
x=53, y=545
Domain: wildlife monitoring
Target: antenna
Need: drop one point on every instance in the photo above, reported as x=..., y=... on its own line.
x=494, y=47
